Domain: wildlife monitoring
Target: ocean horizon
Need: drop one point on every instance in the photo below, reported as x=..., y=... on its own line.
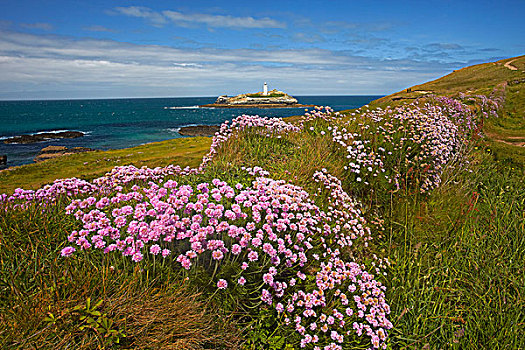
x=127, y=122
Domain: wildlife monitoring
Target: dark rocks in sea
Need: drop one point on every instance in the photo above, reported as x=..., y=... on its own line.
x=199, y=130
x=26, y=138
x=3, y=159
x=51, y=152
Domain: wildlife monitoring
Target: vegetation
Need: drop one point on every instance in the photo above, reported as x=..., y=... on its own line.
x=396, y=218
x=89, y=165
x=270, y=94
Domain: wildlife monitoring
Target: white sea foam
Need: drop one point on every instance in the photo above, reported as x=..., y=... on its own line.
x=57, y=131
x=176, y=130
x=183, y=107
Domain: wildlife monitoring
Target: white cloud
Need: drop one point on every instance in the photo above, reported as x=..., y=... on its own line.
x=143, y=12
x=217, y=21
x=189, y=19
x=33, y=65
x=98, y=28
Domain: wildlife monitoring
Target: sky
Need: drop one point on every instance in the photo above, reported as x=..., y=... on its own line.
x=60, y=49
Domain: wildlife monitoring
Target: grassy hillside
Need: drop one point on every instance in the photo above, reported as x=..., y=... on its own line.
x=183, y=151
x=398, y=225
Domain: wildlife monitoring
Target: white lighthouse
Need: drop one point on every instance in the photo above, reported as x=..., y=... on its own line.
x=265, y=89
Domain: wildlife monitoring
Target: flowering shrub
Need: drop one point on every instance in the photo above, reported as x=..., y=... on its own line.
x=406, y=146
x=271, y=230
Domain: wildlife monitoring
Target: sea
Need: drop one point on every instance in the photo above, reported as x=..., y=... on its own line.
x=121, y=123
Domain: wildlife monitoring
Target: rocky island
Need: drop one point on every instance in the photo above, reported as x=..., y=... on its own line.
x=43, y=136
x=264, y=99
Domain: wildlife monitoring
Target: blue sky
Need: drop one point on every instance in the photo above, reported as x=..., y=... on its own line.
x=103, y=49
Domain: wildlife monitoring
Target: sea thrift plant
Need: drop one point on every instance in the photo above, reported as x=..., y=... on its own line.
x=273, y=232
x=263, y=125
x=408, y=146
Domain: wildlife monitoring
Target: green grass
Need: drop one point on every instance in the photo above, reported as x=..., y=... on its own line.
x=89, y=165
x=457, y=280
x=260, y=95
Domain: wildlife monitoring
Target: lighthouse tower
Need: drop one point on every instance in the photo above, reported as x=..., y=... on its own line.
x=265, y=89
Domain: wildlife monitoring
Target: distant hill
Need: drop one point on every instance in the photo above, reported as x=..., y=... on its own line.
x=477, y=79
x=502, y=81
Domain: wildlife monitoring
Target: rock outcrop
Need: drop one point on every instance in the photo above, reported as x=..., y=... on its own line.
x=51, y=152
x=44, y=136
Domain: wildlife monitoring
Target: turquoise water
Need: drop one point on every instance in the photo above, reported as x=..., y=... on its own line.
x=121, y=123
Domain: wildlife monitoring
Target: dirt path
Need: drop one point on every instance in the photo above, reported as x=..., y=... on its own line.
x=510, y=66
x=511, y=140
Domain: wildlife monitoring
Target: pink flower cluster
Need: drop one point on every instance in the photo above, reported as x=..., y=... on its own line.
x=408, y=145
x=122, y=175
x=48, y=194
x=325, y=113
x=271, y=228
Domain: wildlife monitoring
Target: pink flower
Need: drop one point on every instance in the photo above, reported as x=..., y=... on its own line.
x=236, y=249
x=217, y=254
x=241, y=281
x=279, y=307
x=67, y=251
x=222, y=284
x=155, y=249
x=253, y=256
x=137, y=256
x=268, y=278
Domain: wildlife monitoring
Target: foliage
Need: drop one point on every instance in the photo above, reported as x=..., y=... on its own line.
x=270, y=94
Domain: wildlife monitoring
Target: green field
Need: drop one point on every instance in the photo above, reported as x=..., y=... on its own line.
x=456, y=250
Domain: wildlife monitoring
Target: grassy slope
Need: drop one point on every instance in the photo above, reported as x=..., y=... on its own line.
x=504, y=135
x=476, y=79
x=458, y=280
x=182, y=151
